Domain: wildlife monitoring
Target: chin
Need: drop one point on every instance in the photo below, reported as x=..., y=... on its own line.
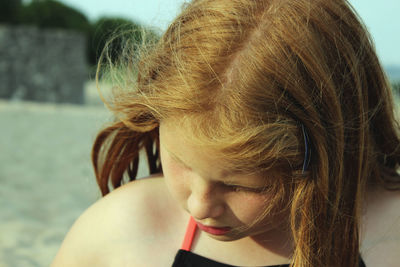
x=227, y=237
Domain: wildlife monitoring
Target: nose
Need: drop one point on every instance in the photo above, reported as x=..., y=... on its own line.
x=205, y=202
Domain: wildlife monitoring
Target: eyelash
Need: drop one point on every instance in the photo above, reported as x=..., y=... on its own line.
x=239, y=189
x=235, y=188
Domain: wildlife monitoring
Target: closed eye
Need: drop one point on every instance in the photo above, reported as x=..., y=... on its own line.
x=238, y=188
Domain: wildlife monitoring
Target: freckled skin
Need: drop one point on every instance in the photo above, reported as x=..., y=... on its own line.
x=194, y=178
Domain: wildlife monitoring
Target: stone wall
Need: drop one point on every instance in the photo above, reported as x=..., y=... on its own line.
x=42, y=65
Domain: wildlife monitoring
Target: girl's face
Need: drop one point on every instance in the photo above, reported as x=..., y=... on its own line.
x=223, y=203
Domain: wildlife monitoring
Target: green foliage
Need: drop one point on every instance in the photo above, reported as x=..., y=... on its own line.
x=117, y=34
x=396, y=88
x=53, y=14
x=102, y=31
x=10, y=11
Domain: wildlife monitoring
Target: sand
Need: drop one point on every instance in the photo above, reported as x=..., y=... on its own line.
x=46, y=177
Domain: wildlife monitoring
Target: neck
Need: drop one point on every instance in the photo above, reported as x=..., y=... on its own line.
x=277, y=241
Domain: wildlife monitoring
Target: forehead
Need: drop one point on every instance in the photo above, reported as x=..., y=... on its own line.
x=177, y=142
x=241, y=150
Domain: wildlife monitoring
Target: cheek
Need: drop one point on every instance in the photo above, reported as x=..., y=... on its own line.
x=247, y=208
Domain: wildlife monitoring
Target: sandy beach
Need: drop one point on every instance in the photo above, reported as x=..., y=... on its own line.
x=46, y=177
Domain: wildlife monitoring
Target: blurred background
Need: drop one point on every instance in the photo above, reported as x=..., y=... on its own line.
x=50, y=111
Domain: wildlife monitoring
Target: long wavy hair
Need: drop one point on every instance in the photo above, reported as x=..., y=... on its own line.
x=245, y=76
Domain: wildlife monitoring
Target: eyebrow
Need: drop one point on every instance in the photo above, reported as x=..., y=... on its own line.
x=178, y=159
x=225, y=173
x=175, y=157
x=253, y=184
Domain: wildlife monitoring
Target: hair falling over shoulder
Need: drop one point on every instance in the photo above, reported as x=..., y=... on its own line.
x=245, y=76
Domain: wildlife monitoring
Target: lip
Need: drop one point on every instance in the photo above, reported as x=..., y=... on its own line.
x=213, y=230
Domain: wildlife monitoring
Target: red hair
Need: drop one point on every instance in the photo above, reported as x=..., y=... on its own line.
x=244, y=75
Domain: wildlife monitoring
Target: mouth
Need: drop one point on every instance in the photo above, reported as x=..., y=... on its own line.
x=213, y=230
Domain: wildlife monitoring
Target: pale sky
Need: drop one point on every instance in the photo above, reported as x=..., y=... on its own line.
x=381, y=17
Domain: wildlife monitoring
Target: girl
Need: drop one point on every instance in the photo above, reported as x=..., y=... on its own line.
x=269, y=130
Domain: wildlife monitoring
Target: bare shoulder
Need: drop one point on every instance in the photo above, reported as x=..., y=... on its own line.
x=125, y=228
x=381, y=229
